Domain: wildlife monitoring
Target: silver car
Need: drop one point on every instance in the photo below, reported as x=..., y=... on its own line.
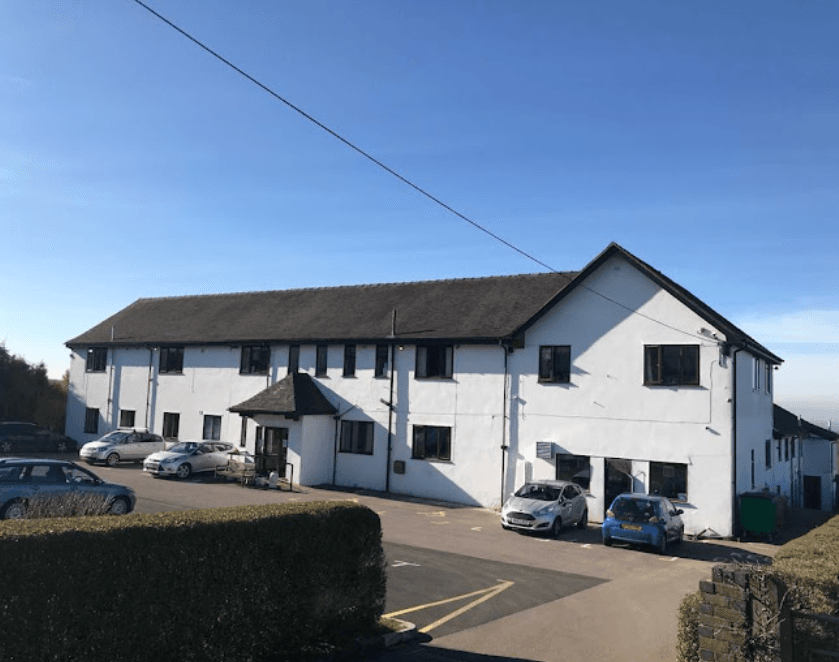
x=546, y=505
x=188, y=457
x=50, y=488
x=121, y=445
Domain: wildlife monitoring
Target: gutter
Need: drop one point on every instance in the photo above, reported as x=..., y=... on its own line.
x=504, y=445
x=735, y=514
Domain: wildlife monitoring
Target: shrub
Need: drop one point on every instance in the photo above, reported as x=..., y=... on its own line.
x=687, y=638
x=251, y=583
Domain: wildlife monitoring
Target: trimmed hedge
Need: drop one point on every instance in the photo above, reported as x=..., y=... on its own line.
x=251, y=583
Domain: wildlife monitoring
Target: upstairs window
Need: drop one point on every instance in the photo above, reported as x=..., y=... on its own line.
x=91, y=421
x=357, y=437
x=755, y=374
x=255, y=360
x=171, y=360
x=321, y=356
x=293, y=358
x=767, y=382
x=97, y=359
x=349, y=360
x=382, y=352
x=555, y=364
x=671, y=365
x=434, y=361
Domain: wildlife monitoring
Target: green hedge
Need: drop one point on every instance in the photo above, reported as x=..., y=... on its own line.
x=251, y=583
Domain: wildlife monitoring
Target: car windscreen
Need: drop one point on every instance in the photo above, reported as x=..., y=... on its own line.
x=183, y=447
x=538, y=492
x=115, y=437
x=635, y=510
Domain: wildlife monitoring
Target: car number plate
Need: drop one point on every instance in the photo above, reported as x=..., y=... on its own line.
x=520, y=522
x=631, y=527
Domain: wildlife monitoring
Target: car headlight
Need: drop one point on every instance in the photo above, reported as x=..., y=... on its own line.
x=543, y=511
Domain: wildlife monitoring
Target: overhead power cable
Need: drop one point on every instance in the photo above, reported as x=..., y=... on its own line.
x=391, y=171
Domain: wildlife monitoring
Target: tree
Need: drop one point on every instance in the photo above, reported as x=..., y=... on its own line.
x=27, y=394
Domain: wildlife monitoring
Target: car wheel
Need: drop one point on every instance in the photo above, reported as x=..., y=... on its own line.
x=681, y=536
x=6, y=447
x=14, y=510
x=583, y=523
x=662, y=544
x=183, y=470
x=556, y=527
x=61, y=447
x=119, y=506
x=112, y=460
x=607, y=540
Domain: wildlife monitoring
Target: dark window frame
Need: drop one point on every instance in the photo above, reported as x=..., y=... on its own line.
x=658, y=368
x=171, y=360
x=127, y=417
x=768, y=445
x=215, y=422
x=255, y=360
x=568, y=467
x=672, y=485
x=91, y=420
x=434, y=362
x=382, y=360
x=171, y=424
x=349, y=360
x=436, y=437
x=555, y=364
x=321, y=360
x=97, y=359
x=357, y=437
x=293, y=358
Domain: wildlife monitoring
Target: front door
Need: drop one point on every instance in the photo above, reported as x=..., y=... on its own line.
x=271, y=447
x=617, y=479
x=813, y=492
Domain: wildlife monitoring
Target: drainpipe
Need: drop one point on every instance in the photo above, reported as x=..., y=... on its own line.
x=390, y=398
x=148, y=389
x=110, y=378
x=504, y=423
x=735, y=515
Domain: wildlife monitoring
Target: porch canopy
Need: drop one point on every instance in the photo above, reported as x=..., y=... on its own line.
x=295, y=395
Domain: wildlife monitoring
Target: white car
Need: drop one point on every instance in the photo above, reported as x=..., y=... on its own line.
x=188, y=457
x=547, y=506
x=121, y=445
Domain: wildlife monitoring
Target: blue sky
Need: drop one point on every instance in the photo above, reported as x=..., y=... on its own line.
x=701, y=136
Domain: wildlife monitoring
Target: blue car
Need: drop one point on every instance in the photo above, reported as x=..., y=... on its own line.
x=643, y=519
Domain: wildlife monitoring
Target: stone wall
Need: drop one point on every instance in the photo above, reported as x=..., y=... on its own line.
x=724, y=615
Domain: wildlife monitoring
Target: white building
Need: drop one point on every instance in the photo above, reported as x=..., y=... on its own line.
x=458, y=390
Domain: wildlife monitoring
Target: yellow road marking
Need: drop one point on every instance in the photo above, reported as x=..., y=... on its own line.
x=434, y=513
x=476, y=528
x=485, y=593
x=439, y=522
x=498, y=589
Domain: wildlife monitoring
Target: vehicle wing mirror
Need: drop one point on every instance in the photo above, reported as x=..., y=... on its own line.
x=678, y=511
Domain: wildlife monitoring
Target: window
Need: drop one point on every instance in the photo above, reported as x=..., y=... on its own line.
x=171, y=359
x=381, y=360
x=779, y=450
x=243, y=435
x=212, y=427
x=792, y=448
x=434, y=361
x=91, y=420
x=755, y=374
x=671, y=365
x=432, y=443
x=767, y=382
x=171, y=423
x=293, y=358
x=575, y=468
x=555, y=363
x=255, y=360
x=357, y=437
x=126, y=418
x=322, y=352
x=97, y=359
x=669, y=479
x=768, y=453
x=349, y=360
x=786, y=450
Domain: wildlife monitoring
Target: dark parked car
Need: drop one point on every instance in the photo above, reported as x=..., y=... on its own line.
x=41, y=488
x=643, y=519
x=16, y=437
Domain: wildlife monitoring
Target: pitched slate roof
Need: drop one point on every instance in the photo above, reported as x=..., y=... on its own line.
x=296, y=394
x=463, y=309
x=787, y=424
